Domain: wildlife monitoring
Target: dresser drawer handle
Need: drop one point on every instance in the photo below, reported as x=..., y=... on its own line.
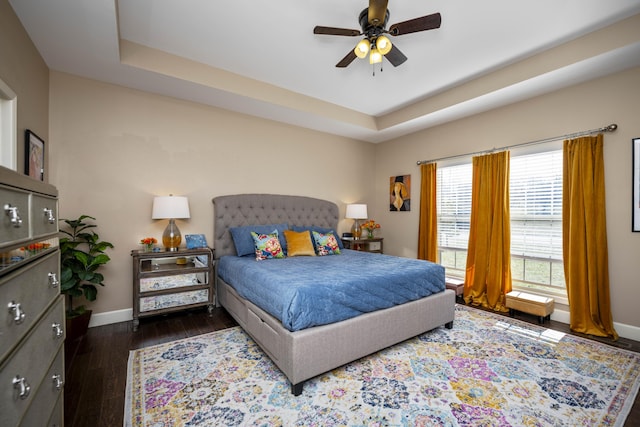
x=58, y=382
x=58, y=332
x=18, y=314
x=12, y=212
x=48, y=213
x=53, y=280
x=21, y=384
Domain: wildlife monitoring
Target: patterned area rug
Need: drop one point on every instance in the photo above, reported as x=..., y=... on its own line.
x=488, y=370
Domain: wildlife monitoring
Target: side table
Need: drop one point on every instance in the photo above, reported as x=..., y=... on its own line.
x=168, y=281
x=363, y=244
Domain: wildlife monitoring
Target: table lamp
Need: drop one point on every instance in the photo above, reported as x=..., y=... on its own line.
x=357, y=212
x=171, y=208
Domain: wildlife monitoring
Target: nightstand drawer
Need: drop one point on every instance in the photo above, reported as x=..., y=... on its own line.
x=24, y=371
x=30, y=290
x=179, y=299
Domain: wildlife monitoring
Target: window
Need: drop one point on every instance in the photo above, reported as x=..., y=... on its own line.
x=535, y=190
x=536, y=220
x=8, y=126
x=454, y=215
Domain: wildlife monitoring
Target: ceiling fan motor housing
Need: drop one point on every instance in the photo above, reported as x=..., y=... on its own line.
x=371, y=30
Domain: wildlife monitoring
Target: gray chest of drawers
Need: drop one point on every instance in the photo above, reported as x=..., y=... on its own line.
x=31, y=307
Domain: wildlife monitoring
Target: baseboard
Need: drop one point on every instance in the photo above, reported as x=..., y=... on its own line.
x=99, y=319
x=109, y=317
x=560, y=316
x=625, y=331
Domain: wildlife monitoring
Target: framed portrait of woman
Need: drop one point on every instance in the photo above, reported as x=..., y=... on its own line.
x=34, y=156
x=400, y=193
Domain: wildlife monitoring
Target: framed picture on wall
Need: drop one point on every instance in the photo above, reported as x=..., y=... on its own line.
x=635, y=213
x=400, y=193
x=34, y=156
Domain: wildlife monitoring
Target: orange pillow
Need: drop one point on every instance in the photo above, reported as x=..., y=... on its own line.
x=299, y=243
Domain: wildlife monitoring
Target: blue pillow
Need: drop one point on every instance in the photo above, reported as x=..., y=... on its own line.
x=322, y=230
x=243, y=240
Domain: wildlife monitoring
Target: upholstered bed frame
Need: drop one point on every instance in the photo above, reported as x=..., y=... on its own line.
x=304, y=354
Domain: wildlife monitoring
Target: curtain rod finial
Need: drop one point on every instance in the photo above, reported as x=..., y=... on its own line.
x=611, y=127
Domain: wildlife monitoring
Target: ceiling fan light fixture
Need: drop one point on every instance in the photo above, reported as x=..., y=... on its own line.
x=383, y=44
x=362, y=48
x=375, y=57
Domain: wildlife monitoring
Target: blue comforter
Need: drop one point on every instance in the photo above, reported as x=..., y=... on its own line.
x=303, y=292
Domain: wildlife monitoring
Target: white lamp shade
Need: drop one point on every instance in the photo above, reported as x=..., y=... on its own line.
x=170, y=207
x=357, y=211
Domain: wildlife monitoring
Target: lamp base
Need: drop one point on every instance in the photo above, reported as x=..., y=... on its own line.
x=171, y=238
x=356, y=230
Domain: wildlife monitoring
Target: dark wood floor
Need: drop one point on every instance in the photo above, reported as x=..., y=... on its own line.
x=96, y=365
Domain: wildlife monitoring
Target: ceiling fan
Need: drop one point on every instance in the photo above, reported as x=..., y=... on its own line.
x=373, y=21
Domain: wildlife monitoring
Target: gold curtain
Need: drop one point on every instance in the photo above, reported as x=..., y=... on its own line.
x=584, y=237
x=428, y=226
x=488, y=275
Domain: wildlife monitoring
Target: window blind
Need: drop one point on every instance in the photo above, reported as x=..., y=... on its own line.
x=535, y=187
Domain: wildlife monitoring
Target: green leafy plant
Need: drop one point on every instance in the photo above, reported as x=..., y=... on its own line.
x=82, y=253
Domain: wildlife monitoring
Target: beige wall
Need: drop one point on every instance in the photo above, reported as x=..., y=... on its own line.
x=112, y=149
x=612, y=99
x=25, y=72
x=116, y=148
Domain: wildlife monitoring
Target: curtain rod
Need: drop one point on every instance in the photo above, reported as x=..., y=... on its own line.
x=610, y=128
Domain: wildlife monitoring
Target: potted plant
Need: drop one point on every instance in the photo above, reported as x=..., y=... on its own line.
x=82, y=253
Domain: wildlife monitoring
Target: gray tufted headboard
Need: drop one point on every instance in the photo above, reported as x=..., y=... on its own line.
x=255, y=209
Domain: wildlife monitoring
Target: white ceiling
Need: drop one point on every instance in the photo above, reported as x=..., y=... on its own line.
x=262, y=58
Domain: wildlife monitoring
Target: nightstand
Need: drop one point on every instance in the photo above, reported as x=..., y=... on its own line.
x=169, y=281
x=366, y=245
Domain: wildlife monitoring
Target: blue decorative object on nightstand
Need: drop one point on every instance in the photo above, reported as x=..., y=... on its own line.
x=196, y=241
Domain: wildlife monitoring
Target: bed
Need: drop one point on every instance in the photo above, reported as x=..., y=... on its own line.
x=307, y=351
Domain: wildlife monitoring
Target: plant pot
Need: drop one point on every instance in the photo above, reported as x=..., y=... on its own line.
x=77, y=326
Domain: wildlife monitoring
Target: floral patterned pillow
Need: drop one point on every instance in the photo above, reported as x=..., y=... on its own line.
x=267, y=245
x=326, y=244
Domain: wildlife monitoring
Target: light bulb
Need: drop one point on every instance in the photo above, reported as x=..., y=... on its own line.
x=375, y=57
x=383, y=44
x=362, y=48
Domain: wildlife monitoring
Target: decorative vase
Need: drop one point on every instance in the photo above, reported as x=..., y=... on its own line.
x=369, y=233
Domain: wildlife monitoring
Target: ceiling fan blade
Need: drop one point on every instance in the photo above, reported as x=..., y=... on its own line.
x=395, y=56
x=335, y=31
x=377, y=12
x=344, y=62
x=423, y=23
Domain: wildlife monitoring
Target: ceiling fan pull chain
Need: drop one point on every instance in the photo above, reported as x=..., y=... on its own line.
x=374, y=69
